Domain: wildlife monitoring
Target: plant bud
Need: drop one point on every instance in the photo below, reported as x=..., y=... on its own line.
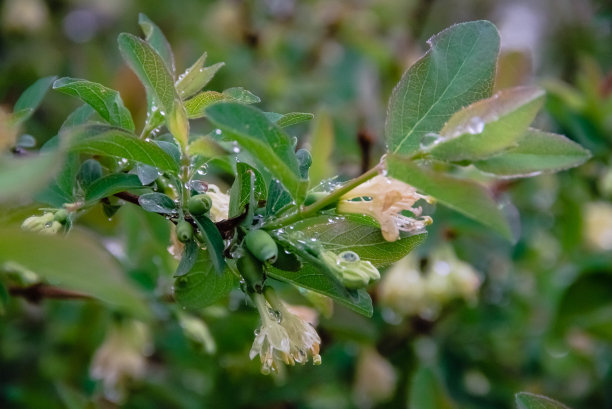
x=61, y=216
x=353, y=272
x=262, y=246
x=184, y=231
x=199, y=204
x=251, y=270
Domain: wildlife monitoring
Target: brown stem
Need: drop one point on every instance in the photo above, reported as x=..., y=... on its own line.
x=36, y=292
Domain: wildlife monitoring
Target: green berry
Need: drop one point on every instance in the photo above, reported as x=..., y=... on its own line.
x=251, y=270
x=184, y=231
x=199, y=204
x=262, y=246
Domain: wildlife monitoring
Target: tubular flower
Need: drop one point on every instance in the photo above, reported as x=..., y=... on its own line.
x=350, y=269
x=384, y=199
x=220, y=203
x=283, y=337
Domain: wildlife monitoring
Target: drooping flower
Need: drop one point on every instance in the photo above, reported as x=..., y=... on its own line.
x=220, y=203
x=385, y=199
x=350, y=269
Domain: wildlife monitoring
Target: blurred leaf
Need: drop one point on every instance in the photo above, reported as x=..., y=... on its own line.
x=61, y=188
x=31, y=98
x=525, y=400
x=262, y=139
x=464, y=196
x=20, y=178
x=73, y=262
x=488, y=126
x=155, y=37
x=207, y=147
x=147, y=174
x=426, y=392
x=107, y=102
x=188, y=259
x=111, y=184
x=201, y=287
x=241, y=95
x=214, y=242
x=536, y=152
x=248, y=181
x=197, y=105
x=293, y=118
x=196, y=77
x=458, y=69
x=78, y=117
x=72, y=398
x=358, y=234
x=90, y=171
x=154, y=75
x=120, y=144
x=157, y=203
x=321, y=146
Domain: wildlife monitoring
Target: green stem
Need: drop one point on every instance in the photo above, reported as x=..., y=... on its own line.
x=331, y=198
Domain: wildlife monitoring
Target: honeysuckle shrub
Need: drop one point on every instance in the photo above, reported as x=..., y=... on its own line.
x=448, y=138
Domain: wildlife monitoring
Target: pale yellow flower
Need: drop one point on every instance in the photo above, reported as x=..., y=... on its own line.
x=220, y=203
x=384, y=199
x=42, y=224
x=350, y=269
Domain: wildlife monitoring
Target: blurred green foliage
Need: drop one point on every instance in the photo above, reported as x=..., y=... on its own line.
x=542, y=319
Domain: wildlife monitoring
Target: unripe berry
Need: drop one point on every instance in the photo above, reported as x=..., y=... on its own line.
x=184, y=231
x=199, y=204
x=251, y=270
x=262, y=246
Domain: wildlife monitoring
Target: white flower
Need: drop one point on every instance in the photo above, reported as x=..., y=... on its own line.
x=42, y=224
x=384, y=199
x=220, y=203
x=283, y=337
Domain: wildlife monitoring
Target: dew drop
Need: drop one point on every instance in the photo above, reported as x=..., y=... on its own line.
x=349, y=256
x=218, y=132
x=475, y=125
x=235, y=147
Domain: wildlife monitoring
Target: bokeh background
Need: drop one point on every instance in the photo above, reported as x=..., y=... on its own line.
x=534, y=316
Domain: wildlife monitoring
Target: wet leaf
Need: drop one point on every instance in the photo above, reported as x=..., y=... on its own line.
x=525, y=400
x=157, y=203
x=111, y=184
x=196, y=77
x=155, y=37
x=214, y=242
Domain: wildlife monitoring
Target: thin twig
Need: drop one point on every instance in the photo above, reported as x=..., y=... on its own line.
x=36, y=292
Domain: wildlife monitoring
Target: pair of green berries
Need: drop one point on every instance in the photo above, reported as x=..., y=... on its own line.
x=197, y=206
x=259, y=248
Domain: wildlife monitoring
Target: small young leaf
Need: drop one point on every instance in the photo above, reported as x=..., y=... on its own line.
x=248, y=180
x=157, y=203
x=111, y=184
x=153, y=73
x=241, y=95
x=525, y=400
x=488, y=126
x=197, y=105
x=214, y=242
x=157, y=40
x=31, y=98
x=265, y=141
x=464, y=196
x=536, y=152
x=107, y=102
x=458, y=69
x=201, y=287
x=292, y=118
x=196, y=77
x=189, y=258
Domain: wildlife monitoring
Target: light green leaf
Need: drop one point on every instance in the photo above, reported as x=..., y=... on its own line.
x=458, y=69
x=293, y=118
x=111, y=184
x=201, y=287
x=358, y=234
x=322, y=146
x=241, y=95
x=266, y=142
x=488, y=126
x=157, y=203
x=536, y=151
x=153, y=73
x=74, y=262
x=155, y=37
x=214, y=242
x=525, y=400
x=464, y=196
x=115, y=142
x=248, y=180
x=426, y=391
x=197, y=105
x=30, y=99
x=20, y=178
x=107, y=102
x=196, y=77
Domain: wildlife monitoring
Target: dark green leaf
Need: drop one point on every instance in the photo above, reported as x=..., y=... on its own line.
x=189, y=258
x=196, y=77
x=458, y=69
x=464, y=196
x=248, y=182
x=90, y=171
x=201, y=287
x=155, y=37
x=262, y=139
x=278, y=198
x=74, y=262
x=214, y=242
x=107, y=102
x=111, y=184
x=157, y=203
x=488, y=126
x=536, y=152
x=31, y=98
x=525, y=400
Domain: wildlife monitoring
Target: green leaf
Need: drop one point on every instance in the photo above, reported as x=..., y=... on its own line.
x=201, y=287
x=74, y=262
x=278, y=198
x=155, y=37
x=115, y=142
x=293, y=118
x=214, y=242
x=322, y=146
x=426, y=392
x=488, y=126
x=536, y=152
x=189, y=258
x=464, y=196
x=266, y=142
x=107, y=102
x=153, y=73
x=525, y=400
x=241, y=95
x=458, y=69
x=78, y=117
x=248, y=182
x=111, y=184
x=31, y=98
x=196, y=77
x=90, y=171
x=312, y=278
x=157, y=203
x=147, y=174
x=197, y=105
x=358, y=234
x=20, y=178
x=61, y=189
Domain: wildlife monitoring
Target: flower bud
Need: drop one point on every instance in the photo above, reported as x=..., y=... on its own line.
x=184, y=231
x=61, y=216
x=199, y=204
x=262, y=246
x=350, y=269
